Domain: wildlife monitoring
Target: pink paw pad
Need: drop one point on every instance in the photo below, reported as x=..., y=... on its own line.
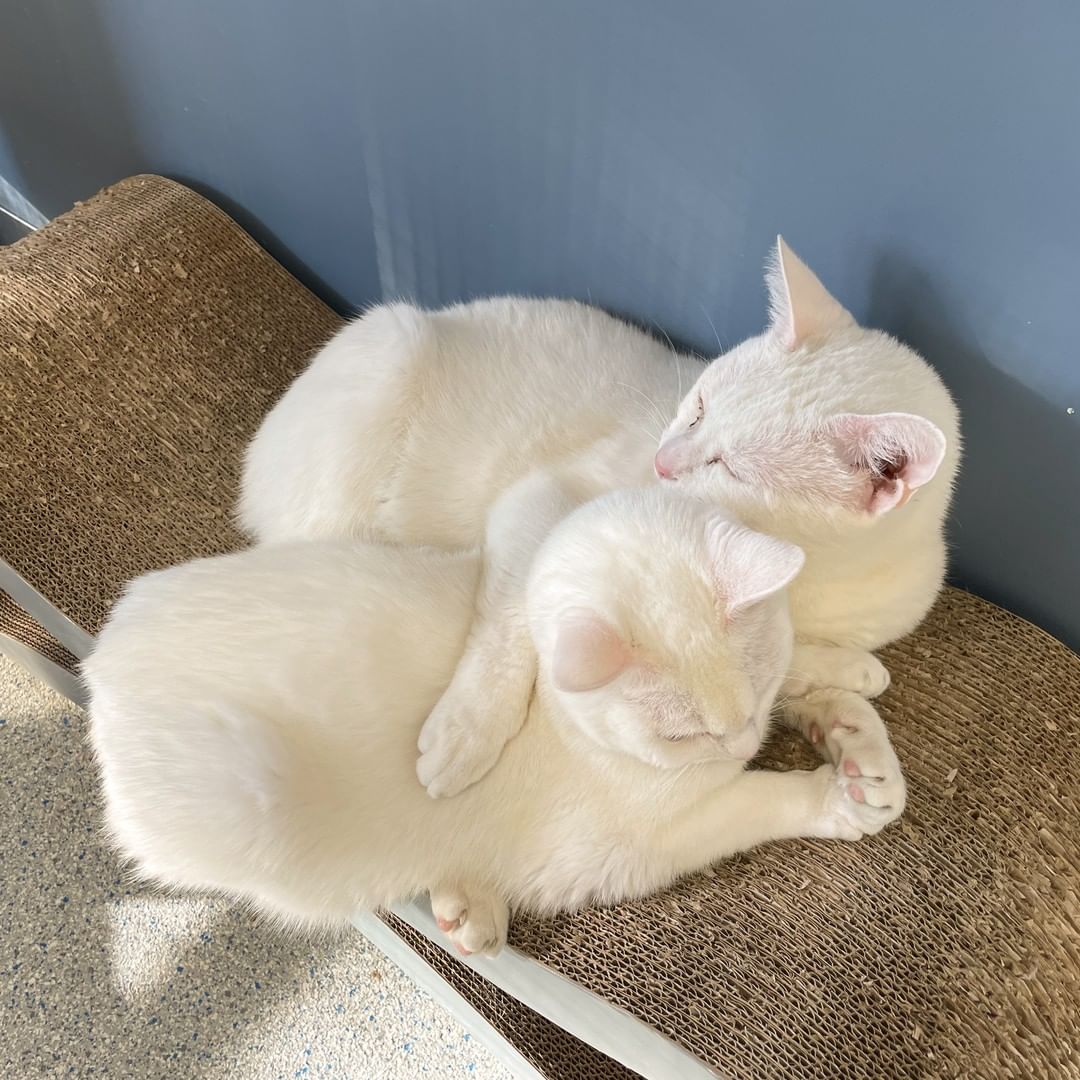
x=446, y=925
x=856, y=793
x=851, y=769
x=463, y=951
x=815, y=734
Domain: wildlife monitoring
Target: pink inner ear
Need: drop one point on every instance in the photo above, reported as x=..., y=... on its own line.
x=588, y=652
x=898, y=452
x=749, y=566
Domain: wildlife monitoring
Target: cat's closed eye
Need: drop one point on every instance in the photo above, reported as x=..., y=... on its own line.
x=700, y=413
x=719, y=459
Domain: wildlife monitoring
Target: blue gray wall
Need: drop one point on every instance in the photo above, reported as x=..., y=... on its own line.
x=923, y=157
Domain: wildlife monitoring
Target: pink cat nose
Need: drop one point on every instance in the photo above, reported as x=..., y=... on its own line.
x=671, y=457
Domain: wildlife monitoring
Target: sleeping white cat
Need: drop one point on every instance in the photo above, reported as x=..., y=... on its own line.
x=420, y=427
x=255, y=720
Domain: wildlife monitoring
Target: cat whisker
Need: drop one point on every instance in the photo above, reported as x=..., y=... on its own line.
x=664, y=334
x=656, y=428
x=654, y=436
x=655, y=412
x=719, y=343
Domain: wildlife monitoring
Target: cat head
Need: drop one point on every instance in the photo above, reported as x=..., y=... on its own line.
x=815, y=422
x=662, y=627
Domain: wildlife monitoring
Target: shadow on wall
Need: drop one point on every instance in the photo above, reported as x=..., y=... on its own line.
x=1020, y=492
x=79, y=132
x=78, y=120
x=253, y=224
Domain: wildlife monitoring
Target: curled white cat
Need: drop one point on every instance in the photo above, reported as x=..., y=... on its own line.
x=255, y=715
x=445, y=427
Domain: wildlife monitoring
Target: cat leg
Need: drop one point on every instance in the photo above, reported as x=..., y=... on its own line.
x=848, y=732
x=761, y=806
x=487, y=700
x=475, y=921
x=817, y=667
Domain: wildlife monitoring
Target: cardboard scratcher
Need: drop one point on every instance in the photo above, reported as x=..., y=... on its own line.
x=142, y=338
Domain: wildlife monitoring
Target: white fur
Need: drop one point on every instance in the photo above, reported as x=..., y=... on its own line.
x=427, y=427
x=408, y=425
x=255, y=719
x=780, y=411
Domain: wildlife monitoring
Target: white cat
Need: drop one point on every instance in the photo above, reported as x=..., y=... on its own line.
x=410, y=426
x=255, y=719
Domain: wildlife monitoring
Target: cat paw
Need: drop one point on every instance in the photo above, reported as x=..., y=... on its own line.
x=820, y=667
x=457, y=748
x=464, y=735
x=866, y=788
x=849, y=808
x=863, y=673
x=873, y=776
x=474, y=922
x=843, y=727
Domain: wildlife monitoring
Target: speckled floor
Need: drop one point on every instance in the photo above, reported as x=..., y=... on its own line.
x=101, y=979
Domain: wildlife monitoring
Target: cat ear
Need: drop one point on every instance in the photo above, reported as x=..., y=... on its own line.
x=800, y=306
x=749, y=566
x=898, y=452
x=588, y=652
